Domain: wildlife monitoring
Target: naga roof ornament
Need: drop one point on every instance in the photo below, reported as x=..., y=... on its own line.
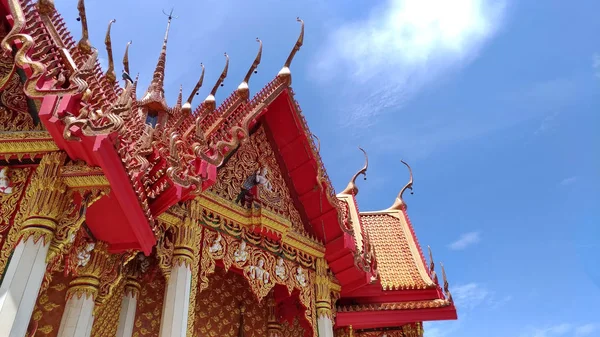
x=285, y=72
x=352, y=188
x=243, y=89
x=154, y=98
x=126, y=59
x=399, y=204
x=210, y=102
x=84, y=44
x=111, y=76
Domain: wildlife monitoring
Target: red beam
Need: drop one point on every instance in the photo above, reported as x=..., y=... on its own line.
x=392, y=318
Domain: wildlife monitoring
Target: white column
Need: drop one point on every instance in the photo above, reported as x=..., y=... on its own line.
x=78, y=317
x=21, y=285
x=325, y=326
x=128, y=307
x=174, y=317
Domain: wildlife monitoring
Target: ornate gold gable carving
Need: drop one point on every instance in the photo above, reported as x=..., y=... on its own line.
x=255, y=160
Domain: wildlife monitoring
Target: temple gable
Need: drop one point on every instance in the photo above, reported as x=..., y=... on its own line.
x=252, y=177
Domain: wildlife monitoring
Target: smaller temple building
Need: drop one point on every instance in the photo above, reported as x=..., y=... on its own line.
x=122, y=215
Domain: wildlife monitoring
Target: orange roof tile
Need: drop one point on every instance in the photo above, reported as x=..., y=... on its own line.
x=399, y=259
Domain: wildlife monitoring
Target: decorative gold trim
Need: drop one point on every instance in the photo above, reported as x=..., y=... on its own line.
x=26, y=143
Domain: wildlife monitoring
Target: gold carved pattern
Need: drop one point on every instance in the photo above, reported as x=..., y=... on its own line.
x=50, y=306
x=249, y=158
x=219, y=308
x=323, y=292
x=149, y=308
x=23, y=144
x=14, y=115
x=295, y=247
x=9, y=203
x=292, y=329
x=262, y=270
x=106, y=319
x=48, y=198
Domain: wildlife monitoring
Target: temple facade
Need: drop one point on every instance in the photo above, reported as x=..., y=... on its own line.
x=122, y=215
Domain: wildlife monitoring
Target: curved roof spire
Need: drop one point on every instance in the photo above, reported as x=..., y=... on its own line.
x=187, y=106
x=126, y=59
x=84, y=43
x=285, y=71
x=351, y=188
x=399, y=204
x=210, y=101
x=155, y=95
x=243, y=89
x=110, y=72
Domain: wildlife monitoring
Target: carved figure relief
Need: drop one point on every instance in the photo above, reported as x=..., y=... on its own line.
x=241, y=255
x=300, y=277
x=84, y=253
x=5, y=184
x=216, y=246
x=280, y=269
x=252, y=176
x=259, y=273
x=248, y=195
x=258, y=267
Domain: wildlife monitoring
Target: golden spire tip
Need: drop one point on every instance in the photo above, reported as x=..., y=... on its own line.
x=110, y=72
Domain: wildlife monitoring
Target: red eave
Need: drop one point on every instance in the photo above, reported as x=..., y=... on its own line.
x=367, y=319
x=117, y=218
x=288, y=132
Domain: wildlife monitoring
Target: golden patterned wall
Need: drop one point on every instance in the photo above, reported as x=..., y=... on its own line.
x=106, y=320
x=293, y=329
x=14, y=115
x=218, y=309
x=149, y=307
x=50, y=306
x=9, y=204
x=251, y=156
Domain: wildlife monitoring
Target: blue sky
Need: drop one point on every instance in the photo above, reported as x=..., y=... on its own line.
x=493, y=102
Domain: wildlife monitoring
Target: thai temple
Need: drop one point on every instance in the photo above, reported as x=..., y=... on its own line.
x=122, y=215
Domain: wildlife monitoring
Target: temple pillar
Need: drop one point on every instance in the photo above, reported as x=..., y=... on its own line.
x=78, y=317
x=174, y=319
x=43, y=206
x=128, y=307
x=323, y=300
x=273, y=325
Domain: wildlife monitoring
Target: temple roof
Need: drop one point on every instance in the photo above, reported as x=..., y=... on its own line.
x=399, y=258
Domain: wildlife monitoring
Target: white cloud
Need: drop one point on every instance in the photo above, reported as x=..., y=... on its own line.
x=563, y=329
x=586, y=329
x=469, y=296
x=465, y=240
x=568, y=181
x=404, y=45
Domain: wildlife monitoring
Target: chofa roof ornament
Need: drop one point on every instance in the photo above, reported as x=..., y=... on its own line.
x=285, y=72
x=399, y=204
x=352, y=188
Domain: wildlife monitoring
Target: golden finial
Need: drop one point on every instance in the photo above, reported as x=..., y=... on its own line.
x=84, y=44
x=351, y=332
x=399, y=203
x=318, y=142
x=110, y=72
x=351, y=188
x=188, y=104
x=446, y=285
x=432, y=266
x=179, y=97
x=126, y=58
x=243, y=89
x=210, y=101
x=155, y=95
x=285, y=71
x=45, y=7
